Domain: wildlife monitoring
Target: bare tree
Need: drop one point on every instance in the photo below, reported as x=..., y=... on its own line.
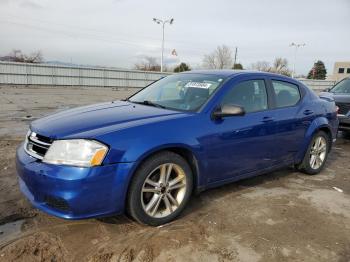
x=17, y=55
x=148, y=63
x=280, y=66
x=261, y=66
x=220, y=58
x=35, y=57
x=14, y=56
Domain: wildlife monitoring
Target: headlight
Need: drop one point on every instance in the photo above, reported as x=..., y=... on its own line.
x=76, y=152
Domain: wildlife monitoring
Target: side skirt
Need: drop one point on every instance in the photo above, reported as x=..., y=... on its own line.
x=245, y=176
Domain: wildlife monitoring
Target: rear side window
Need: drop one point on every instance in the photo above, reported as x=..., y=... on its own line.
x=286, y=94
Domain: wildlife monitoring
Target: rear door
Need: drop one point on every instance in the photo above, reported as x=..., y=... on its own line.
x=291, y=117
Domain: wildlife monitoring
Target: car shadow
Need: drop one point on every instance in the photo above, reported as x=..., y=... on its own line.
x=217, y=192
x=344, y=135
x=115, y=220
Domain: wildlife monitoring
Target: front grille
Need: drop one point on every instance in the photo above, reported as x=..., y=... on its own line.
x=344, y=108
x=57, y=203
x=37, y=145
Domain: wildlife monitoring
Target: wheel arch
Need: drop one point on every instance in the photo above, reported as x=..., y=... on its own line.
x=182, y=150
x=319, y=124
x=328, y=131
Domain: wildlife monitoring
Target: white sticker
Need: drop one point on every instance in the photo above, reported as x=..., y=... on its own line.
x=198, y=85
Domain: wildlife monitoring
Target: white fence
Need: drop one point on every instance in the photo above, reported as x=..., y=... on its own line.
x=318, y=85
x=53, y=75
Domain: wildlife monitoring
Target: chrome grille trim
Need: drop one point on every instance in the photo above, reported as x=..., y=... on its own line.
x=32, y=153
x=33, y=141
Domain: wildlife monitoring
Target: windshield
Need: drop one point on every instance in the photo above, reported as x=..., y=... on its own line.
x=186, y=92
x=343, y=87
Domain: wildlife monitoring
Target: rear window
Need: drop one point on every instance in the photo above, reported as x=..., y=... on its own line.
x=286, y=94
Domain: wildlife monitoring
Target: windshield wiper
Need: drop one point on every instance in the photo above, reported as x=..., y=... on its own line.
x=148, y=103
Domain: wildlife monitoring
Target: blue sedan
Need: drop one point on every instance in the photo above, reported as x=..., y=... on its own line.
x=185, y=133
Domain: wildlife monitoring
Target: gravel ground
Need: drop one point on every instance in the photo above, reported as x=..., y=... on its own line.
x=281, y=216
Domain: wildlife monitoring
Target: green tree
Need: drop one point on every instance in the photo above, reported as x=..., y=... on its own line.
x=182, y=67
x=318, y=71
x=238, y=66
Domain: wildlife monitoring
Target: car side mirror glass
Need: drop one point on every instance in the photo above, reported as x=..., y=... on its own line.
x=227, y=111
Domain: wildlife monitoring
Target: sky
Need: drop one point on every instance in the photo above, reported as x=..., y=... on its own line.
x=118, y=33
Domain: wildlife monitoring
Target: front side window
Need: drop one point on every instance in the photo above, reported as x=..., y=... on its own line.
x=343, y=87
x=286, y=94
x=251, y=95
x=186, y=92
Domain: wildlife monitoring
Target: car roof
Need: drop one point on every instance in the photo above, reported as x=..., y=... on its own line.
x=217, y=72
x=230, y=73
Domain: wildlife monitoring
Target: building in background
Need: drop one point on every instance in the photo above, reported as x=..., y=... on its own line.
x=340, y=71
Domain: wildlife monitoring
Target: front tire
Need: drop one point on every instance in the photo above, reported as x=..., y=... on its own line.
x=316, y=154
x=160, y=189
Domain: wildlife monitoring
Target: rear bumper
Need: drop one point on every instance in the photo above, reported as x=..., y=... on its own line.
x=344, y=122
x=73, y=192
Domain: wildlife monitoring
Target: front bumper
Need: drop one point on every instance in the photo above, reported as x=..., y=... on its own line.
x=73, y=192
x=344, y=122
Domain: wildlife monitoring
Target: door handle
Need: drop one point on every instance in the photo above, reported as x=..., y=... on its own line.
x=267, y=119
x=308, y=112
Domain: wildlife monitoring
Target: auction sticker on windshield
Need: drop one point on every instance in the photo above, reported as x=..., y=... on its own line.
x=198, y=85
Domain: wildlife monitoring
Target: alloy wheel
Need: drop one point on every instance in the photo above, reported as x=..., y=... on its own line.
x=318, y=152
x=163, y=190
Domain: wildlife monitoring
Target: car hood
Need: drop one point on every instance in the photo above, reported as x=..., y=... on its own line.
x=82, y=119
x=338, y=98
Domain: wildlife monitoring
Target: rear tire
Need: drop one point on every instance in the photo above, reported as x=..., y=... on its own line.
x=316, y=154
x=160, y=189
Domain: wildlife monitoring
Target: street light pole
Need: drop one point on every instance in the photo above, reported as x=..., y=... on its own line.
x=162, y=56
x=296, y=46
x=163, y=22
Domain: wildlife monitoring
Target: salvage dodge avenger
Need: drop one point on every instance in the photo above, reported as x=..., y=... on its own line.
x=185, y=133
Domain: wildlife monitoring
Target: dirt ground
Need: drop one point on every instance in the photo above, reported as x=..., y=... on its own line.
x=281, y=216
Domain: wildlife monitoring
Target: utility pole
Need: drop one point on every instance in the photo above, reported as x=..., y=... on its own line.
x=235, y=60
x=163, y=22
x=296, y=46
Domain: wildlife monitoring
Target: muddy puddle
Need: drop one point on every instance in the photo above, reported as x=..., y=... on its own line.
x=10, y=231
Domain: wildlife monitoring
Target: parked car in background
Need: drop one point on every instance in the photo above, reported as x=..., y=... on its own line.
x=186, y=132
x=341, y=94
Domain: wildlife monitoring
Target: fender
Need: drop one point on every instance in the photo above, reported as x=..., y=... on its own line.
x=194, y=150
x=198, y=180
x=317, y=124
x=140, y=154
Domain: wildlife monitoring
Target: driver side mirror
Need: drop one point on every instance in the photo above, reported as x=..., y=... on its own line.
x=326, y=89
x=228, y=110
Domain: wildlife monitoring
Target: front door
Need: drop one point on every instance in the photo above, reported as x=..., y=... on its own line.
x=238, y=145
